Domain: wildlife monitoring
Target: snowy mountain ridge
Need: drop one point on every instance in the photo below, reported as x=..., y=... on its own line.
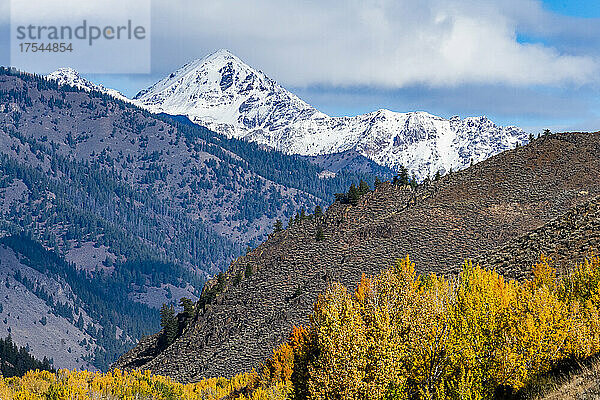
x=69, y=76
x=226, y=95
x=223, y=93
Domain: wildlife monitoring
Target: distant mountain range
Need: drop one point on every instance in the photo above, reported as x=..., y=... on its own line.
x=228, y=96
x=223, y=93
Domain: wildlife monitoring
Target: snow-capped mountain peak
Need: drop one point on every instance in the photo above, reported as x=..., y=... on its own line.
x=225, y=94
x=69, y=76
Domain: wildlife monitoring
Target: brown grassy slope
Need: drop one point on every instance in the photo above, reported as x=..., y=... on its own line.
x=466, y=214
x=582, y=382
x=567, y=240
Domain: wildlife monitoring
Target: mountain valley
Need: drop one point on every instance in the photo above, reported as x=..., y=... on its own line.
x=152, y=205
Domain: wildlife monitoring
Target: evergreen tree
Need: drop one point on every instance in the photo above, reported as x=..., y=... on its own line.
x=80, y=322
x=353, y=195
x=318, y=212
x=188, y=307
x=16, y=361
x=237, y=279
x=278, y=226
x=249, y=271
x=168, y=323
x=363, y=187
x=320, y=235
x=377, y=182
x=220, y=282
x=402, y=177
x=413, y=182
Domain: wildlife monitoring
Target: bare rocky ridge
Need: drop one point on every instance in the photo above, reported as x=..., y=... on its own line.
x=440, y=224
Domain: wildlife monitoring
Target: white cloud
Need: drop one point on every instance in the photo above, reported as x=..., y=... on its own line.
x=384, y=43
x=39, y=11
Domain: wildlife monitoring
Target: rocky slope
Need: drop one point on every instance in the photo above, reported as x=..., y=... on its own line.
x=440, y=224
x=567, y=240
x=223, y=93
x=27, y=316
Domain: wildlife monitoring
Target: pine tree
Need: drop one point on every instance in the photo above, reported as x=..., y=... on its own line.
x=413, y=182
x=363, y=187
x=80, y=322
x=377, y=182
x=402, y=177
x=278, y=226
x=237, y=279
x=188, y=307
x=353, y=195
x=320, y=236
x=318, y=212
x=168, y=323
x=302, y=214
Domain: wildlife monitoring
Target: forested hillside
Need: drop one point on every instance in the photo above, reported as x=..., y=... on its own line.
x=136, y=208
x=61, y=313
x=16, y=361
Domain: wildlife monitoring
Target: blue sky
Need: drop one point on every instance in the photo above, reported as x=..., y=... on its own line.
x=530, y=63
x=575, y=8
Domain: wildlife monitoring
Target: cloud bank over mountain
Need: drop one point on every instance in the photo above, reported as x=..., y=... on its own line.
x=385, y=43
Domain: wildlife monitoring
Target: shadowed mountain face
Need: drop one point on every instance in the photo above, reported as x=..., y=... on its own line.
x=350, y=161
x=464, y=215
x=153, y=206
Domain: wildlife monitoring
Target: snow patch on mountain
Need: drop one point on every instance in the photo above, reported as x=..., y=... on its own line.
x=228, y=96
x=69, y=76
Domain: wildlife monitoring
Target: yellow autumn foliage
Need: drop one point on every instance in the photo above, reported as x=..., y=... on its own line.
x=403, y=336
x=398, y=336
x=136, y=385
